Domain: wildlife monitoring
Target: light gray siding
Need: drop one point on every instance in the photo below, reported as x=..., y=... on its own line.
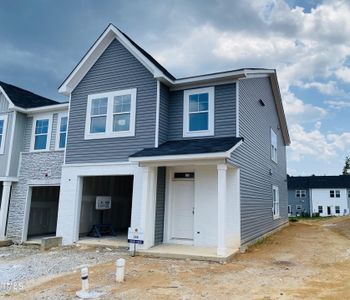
x=258, y=171
x=4, y=104
x=163, y=113
x=4, y=158
x=225, y=112
x=160, y=206
x=293, y=201
x=116, y=69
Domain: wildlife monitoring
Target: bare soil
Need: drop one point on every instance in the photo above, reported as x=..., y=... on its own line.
x=306, y=260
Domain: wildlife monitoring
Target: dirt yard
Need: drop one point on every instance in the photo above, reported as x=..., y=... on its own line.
x=306, y=260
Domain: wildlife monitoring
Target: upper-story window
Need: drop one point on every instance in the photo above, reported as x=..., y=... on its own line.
x=111, y=114
x=61, y=131
x=300, y=193
x=273, y=146
x=334, y=193
x=3, y=126
x=198, y=112
x=41, y=133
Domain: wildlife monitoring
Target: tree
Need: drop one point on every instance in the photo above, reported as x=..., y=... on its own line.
x=346, y=169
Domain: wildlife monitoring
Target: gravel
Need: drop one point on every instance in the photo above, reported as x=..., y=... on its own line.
x=21, y=264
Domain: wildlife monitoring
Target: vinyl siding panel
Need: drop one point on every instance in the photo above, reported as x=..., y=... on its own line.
x=224, y=115
x=253, y=158
x=4, y=158
x=293, y=201
x=160, y=206
x=4, y=104
x=116, y=69
x=163, y=113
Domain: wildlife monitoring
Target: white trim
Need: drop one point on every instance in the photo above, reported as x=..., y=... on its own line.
x=49, y=132
x=277, y=214
x=274, y=151
x=237, y=108
x=13, y=179
x=109, y=133
x=156, y=139
x=28, y=203
x=211, y=108
x=2, y=91
x=41, y=109
x=4, y=133
x=58, y=132
x=11, y=143
x=68, y=114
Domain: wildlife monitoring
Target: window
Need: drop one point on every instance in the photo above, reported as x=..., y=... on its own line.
x=289, y=209
x=348, y=193
x=331, y=193
x=337, y=209
x=275, y=202
x=273, y=146
x=62, y=131
x=198, y=112
x=320, y=209
x=298, y=207
x=41, y=133
x=111, y=114
x=337, y=194
x=3, y=126
x=300, y=193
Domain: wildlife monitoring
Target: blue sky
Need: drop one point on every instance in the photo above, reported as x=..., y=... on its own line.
x=306, y=41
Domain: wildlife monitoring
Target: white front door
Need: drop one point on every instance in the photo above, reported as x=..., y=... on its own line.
x=182, y=209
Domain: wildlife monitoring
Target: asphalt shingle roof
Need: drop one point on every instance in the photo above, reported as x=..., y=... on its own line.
x=25, y=99
x=298, y=182
x=190, y=146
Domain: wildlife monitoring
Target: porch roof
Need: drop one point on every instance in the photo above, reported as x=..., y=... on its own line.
x=211, y=146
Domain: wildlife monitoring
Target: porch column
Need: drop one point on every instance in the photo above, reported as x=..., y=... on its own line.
x=4, y=207
x=222, y=188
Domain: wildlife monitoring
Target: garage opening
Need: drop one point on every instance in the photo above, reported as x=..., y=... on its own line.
x=43, y=211
x=106, y=208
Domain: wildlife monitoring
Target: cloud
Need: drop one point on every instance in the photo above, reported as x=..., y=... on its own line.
x=343, y=74
x=326, y=88
x=338, y=104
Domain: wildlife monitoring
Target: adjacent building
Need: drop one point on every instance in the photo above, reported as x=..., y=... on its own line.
x=323, y=195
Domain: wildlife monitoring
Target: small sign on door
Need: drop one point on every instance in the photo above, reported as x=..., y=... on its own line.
x=103, y=202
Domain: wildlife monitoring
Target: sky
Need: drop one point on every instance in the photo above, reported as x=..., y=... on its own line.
x=307, y=42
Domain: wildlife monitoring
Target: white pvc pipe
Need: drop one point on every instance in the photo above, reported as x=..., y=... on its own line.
x=85, y=279
x=120, y=270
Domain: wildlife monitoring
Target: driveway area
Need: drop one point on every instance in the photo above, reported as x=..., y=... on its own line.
x=306, y=260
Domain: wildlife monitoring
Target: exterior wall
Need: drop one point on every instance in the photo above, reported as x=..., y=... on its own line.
x=293, y=201
x=257, y=171
x=320, y=197
x=163, y=113
x=32, y=171
x=224, y=117
x=160, y=206
x=4, y=158
x=4, y=104
x=116, y=69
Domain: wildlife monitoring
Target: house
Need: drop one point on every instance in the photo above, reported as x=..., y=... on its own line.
x=197, y=161
x=32, y=142
x=323, y=195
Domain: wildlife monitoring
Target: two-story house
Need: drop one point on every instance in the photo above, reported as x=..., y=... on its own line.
x=195, y=161
x=322, y=195
x=32, y=141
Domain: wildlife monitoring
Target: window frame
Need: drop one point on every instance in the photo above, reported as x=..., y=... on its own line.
x=49, y=132
x=4, y=133
x=58, y=130
x=337, y=194
x=335, y=209
x=302, y=193
x=109, y=133
x=331, y=192
x=211, y=113
x=273, y=148
x=275, y=212
x=318, y=209
x=298, y=207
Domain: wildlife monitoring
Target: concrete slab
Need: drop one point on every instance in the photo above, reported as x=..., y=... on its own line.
x=5, y=243
x=119, y=242
x=50, y=242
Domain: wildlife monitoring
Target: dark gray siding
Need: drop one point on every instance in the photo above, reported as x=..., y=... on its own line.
x=163, y=113
x=293, y=201
x=225, y=112
x=160, y=206
x=116, y=69
x=253, y=158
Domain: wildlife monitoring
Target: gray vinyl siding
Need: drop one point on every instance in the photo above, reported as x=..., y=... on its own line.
x=224, y=115
x=293, y=201
x=163, y=113
x=116, y=69
x=4, y=104
x=4, y=158
x=254, y=160
x=160, y=206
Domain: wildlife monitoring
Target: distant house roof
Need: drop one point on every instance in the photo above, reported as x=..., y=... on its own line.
x=326, y=182
x=25, y=99
x=191, y=146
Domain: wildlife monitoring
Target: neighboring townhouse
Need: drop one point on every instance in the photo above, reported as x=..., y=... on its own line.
x=197, y=161
x=323, y=195
x=32, y=142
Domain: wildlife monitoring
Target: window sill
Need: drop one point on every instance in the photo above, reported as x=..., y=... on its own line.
x=276, y=217
x=198, y=133
x=91, y=136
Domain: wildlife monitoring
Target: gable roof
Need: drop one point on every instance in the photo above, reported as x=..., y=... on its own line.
x=325, y=182
x=160, y=73
x=25, y=99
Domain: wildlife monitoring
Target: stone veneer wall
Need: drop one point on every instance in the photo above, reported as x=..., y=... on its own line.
x=32, y=170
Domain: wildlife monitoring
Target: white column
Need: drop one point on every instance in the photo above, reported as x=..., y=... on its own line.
x=4, y=207
x=222, y=195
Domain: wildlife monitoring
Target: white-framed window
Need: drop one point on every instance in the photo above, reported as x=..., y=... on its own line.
x=300, y=193
x=348, y=193
x=41, y=133
x=337, y=194
x=198, y=119
x=331, y=193
x=273, y=146
x=320, y=209
x=3, y=129
x=61, y=131
x=111, y=114
x=289, y=209
x=337, y=209
x=275, y=202
x=298, y=207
